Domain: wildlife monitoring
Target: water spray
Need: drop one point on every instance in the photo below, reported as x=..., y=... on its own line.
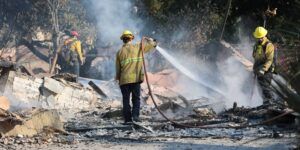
x=191, y=126
x=187, y=72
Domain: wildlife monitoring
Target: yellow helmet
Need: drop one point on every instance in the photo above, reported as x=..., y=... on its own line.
x=260, y=32
x=127, y=33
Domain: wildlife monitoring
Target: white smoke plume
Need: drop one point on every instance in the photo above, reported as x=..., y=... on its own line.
x=229, y=77
x=240, y=85
x=113, y=17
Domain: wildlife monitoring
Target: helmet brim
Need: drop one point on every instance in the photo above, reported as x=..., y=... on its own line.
x=259, y=36
x=127, y=36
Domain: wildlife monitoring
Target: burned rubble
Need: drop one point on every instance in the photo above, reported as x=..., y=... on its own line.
x=142, y=74
x=39, y=108
x=55, y=109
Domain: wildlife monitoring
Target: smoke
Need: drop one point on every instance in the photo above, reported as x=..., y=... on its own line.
x=113, y=17
x=246, y=44
x=227, y=75
x=239, y=84
x=186, y=71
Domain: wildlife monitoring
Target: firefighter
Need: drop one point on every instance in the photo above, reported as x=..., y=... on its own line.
x=130, y=74
x=263, y=54
x=73, y=54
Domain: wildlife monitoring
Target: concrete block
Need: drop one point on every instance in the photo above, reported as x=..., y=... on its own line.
x=28, y=91
x=53, y=85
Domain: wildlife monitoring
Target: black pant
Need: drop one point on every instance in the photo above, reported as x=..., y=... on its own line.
x=72, y=67
x=135, y=90
x=265, y=83
x=75, y=69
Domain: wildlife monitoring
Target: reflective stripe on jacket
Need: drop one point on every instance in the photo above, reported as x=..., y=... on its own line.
x=129, y=63
x=263, y=58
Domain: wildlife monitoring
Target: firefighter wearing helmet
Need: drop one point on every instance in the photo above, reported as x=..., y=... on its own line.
x=73, y=54
x=263, y=54
x=130, y=73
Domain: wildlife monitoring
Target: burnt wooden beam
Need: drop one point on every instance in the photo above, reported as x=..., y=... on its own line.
x=97, y=89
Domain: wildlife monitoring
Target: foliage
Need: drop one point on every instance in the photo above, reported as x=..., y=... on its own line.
x=19, y=18
x=22, y=17
x=184, y=24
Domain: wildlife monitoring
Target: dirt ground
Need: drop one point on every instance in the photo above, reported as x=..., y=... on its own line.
x=171, y=144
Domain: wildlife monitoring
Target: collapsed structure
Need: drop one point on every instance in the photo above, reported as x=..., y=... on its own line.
x=33, y=103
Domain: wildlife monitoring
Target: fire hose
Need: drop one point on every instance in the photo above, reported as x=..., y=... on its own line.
x=200, y=126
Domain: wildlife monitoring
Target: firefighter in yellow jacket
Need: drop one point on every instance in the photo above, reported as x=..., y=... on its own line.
x=263, y=54
x=130, y=74
x=73, y=53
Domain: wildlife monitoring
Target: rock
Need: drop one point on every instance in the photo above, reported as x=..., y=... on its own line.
x=12, y=118
x=33, y=125
x=204, y=112
x=5, y=141
x=8, y=54
x=4, y=103
x=115, y=104
x=20, y=136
